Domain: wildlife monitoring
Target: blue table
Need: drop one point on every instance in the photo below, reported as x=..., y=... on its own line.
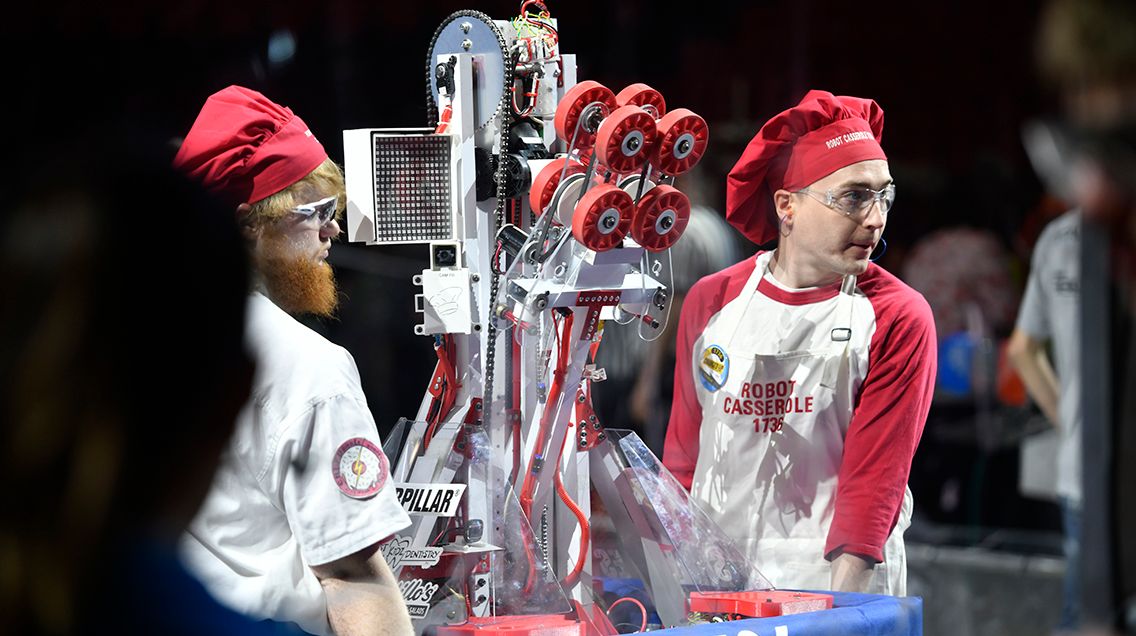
x=860, y=614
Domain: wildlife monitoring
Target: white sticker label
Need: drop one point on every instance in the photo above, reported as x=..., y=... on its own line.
x=417, y=594
x=398, y=553
x=430, y=499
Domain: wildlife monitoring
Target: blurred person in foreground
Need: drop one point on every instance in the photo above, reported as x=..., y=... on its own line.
x=805, y=374
x=116, y=399
x=1087, y=51
x=291, y=528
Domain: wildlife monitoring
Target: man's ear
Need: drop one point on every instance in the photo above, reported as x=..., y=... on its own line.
x=783, y=205
x=245, y=223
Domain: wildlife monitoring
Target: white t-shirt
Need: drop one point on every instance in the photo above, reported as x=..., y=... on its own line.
x=1051, y=311
x=275, y=507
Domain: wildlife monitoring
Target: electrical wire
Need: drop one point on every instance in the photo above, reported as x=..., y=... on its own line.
x=585, y=528
x=628, y=599
x=550, y=408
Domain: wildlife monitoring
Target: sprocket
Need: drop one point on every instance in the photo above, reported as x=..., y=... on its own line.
x=472, y=32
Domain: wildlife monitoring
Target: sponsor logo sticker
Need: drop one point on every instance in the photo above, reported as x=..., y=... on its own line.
x=714, y=368
x=359, y=468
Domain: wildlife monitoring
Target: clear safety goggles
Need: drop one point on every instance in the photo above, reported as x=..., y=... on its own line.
x=855, y=202
x=322, y=210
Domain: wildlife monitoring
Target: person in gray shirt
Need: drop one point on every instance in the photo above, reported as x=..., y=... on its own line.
x=1044, y=348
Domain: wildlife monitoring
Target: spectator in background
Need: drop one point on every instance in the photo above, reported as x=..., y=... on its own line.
x=963, y=270
x=1050, y=315
x=1088, y=51
x=291, y=528
x=116, y=395
x=965, y=274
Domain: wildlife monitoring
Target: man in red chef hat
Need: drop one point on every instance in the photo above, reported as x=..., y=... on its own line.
x=291, y=526
x=805, y=373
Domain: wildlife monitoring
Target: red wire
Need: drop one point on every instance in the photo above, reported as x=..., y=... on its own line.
x=585, y=529
x=538, y=447
x=643, y=625
x=496, y=260
x=444, y=121
x=526, y=3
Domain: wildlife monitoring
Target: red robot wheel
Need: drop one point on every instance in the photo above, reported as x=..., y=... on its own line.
x=660, y=218
x=602, y=217
x=626, y=139
x=683, y=137
x=547, y=180
x=572, y=107
x=643, y=95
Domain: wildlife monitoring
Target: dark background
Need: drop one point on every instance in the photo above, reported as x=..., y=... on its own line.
x=956, y=81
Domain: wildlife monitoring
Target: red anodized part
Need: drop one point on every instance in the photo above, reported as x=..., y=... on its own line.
x=683, y=136
x=660, y=218
x=642, y=95
x=626, y=139
x=524, y=625
x=759, y=603
x=573, y=105
x=602, y=217
x=547, y=180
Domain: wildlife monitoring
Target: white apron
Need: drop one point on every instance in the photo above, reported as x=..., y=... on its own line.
x=768, y=475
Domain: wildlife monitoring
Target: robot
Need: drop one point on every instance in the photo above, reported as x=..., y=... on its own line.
x=547, y=205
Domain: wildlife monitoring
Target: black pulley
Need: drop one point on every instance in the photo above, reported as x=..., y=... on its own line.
x=517, y=175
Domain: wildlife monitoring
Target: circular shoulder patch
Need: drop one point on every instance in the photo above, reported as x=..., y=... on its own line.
x=714, y=368
x=360, y=468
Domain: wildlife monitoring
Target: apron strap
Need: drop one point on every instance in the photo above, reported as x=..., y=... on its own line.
x=734, y=311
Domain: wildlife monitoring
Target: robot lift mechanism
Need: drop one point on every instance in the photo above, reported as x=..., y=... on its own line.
x=548, y=206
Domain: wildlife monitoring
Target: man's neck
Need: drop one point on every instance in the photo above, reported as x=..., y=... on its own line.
x=795, y=274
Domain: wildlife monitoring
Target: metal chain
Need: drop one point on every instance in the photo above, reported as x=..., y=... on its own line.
x=505, y=112
x=431, y=104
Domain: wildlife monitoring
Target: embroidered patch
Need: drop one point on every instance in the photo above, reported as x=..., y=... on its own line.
x=360, y=469
x=714, y=368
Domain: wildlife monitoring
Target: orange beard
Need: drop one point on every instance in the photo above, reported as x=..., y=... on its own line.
x=298, y=285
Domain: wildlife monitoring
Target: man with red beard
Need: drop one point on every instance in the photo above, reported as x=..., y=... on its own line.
x=291, y=527
x=804, y=374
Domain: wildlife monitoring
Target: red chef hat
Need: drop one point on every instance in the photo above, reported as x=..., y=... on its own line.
x=810, y=141
x=245, y=147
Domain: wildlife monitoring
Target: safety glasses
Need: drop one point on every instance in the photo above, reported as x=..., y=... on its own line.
x=322, y=210
x=855, y=202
